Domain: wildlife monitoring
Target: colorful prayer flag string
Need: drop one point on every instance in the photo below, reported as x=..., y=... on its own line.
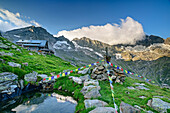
x=111, y=86
x=68, y=73
x=127, y=72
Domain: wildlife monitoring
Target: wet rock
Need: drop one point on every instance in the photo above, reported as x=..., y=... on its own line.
x=10, y=89
x=8, y=82
x=103, y=110
x=159, y=105
x=31, y=76
x=126, y=108
x=21, y=82
x=7, y=76
x=142, y=87
x=77, y=80
x=83, y=71
x=94, y=103
x=14, y=64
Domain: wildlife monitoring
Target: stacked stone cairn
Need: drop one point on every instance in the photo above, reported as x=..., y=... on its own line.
x=99, y=72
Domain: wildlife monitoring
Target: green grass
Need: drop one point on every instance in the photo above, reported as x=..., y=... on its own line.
x=39, y=63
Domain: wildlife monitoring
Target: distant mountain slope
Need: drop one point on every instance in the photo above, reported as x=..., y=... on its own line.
x=30, y=33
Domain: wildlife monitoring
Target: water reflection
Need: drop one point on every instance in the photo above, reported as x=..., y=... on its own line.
x=41, y=103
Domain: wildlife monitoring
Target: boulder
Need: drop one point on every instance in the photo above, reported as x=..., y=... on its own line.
x=8, y=54
x=92, y=82
x=83, y=71
x=21, y=82
x=8, y=82
x=131, y=87
x=100, y=68
x=42, y=75
x=94, y=103
x=77, y=80
x=14, y=64
x=93, y=93
x=103, y=110
x=126, y=108
x=26, y=64
x=86, y=89
x=142, y=97
x=142, y=84
x=10, y=89
x=7, y=76
x=4, y=46
x=85, y=77
x=159, y=105
x=142, y=87
x=13, y=46
x=30, y=54
x=31, y=76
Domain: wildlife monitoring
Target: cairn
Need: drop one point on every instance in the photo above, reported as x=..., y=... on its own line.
x=99, y=72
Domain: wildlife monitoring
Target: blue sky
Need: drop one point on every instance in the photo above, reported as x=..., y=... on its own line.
x=58, y=15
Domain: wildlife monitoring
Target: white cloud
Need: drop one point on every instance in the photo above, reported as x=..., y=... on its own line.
x=17, y=14
x=4, y=26
x=35, y=23
x=128, y=32
x=13, y=21
x=6, y=15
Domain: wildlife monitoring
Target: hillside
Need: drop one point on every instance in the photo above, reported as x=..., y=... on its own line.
x=45, y=64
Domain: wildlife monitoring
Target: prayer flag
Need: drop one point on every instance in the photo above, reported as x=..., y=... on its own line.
x=49, y=78
x=58, y=76
x=52, y=77
x=63, y=74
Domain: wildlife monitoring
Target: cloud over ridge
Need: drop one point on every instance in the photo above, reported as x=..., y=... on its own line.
x=9, y=21
x=128, y=32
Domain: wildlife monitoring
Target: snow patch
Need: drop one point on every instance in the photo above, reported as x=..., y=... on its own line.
x=17, y=36
x=78, y=46
x=86, y=48
x=61, y=45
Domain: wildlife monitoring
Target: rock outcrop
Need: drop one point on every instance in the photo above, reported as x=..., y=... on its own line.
x=31, y=76
x=94, y=103
x=8, y=82
x=126, y=108
x=159, y=105
x=103, y=110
